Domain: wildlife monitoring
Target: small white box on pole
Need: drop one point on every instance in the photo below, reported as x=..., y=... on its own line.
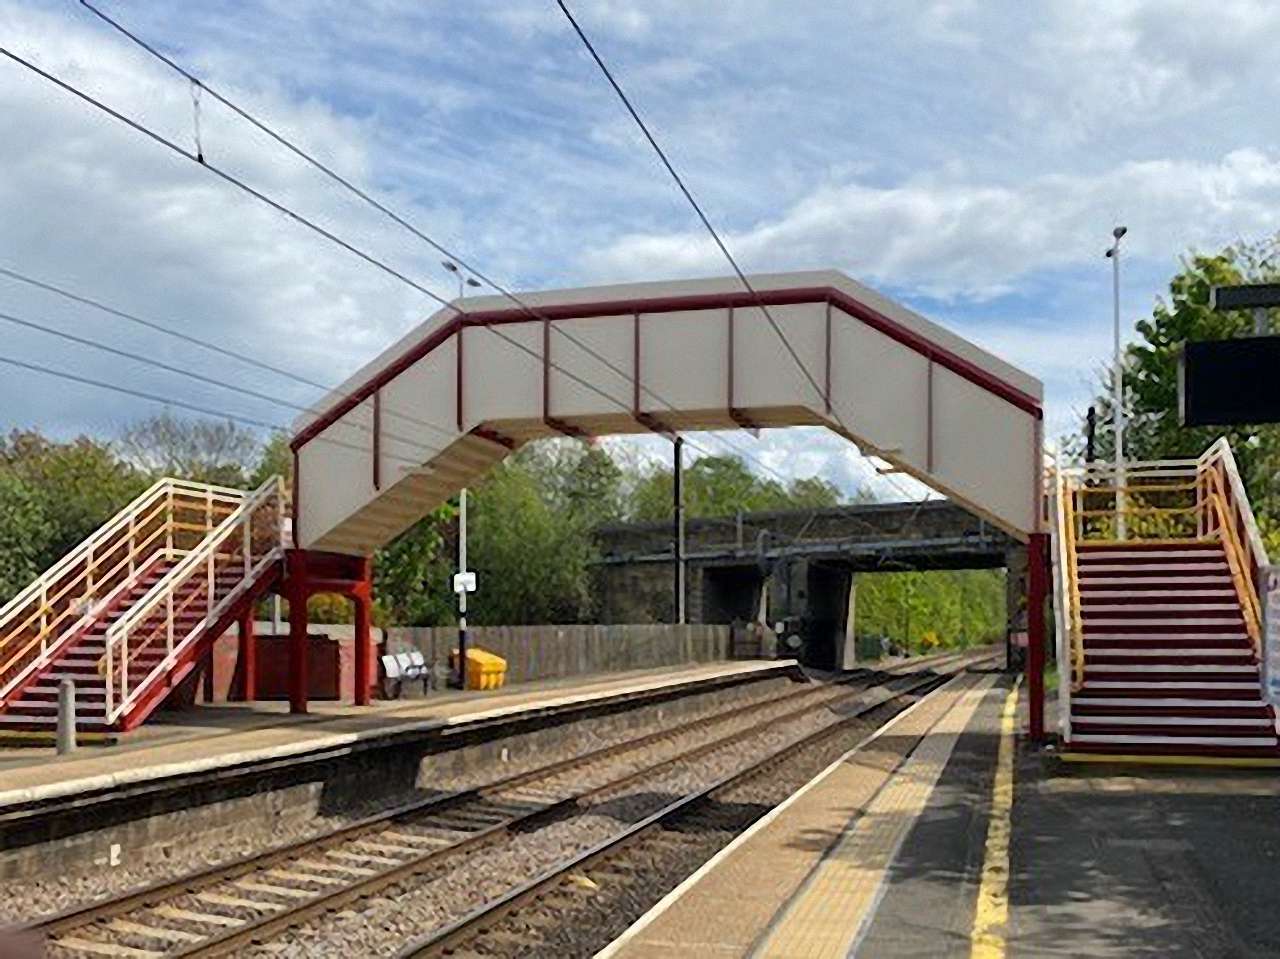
x=464, y=582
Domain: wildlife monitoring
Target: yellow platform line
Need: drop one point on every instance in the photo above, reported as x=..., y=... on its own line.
x=1245, y=762
x=991, y=917
x=848, y=882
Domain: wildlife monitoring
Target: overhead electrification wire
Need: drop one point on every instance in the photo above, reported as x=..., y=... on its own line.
x=697, y=208
x=334, y=238
x=346, y=183
x=182, y=371
x=180, y=404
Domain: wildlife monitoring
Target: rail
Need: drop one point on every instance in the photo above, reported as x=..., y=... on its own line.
x=1155, y=501
x=165, y=521
x=191, y=596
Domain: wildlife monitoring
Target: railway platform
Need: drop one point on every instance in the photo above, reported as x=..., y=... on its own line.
x=949, y=834
x=212, y=740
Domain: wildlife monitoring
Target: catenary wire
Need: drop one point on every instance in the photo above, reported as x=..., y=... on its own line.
x=697, y=208
x=346, y=183
x=363, y=255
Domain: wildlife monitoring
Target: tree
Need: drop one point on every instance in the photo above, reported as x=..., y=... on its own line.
x=26, y=535
x=722, y=485
x=412, y=574
x=1151, y=374
x=79, y=484
x=204, y=451
x=276, y=459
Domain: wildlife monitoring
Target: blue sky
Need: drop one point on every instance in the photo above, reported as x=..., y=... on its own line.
x=967, y=158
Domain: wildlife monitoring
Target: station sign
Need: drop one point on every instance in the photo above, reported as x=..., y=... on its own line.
x=464, y=582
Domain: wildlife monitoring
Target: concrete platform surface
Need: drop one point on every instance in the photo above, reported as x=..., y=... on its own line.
x=213, y=737
x=815, y=877
x=1129, y=861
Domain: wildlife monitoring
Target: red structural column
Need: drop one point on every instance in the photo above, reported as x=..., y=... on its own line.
x=248, y=656
x=362, y=594
x=1037, y=591
x=296, y=590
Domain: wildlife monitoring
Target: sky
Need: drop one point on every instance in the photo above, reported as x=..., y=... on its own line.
x=969, y=159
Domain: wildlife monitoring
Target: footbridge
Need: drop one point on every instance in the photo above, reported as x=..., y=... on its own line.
x=479, y=379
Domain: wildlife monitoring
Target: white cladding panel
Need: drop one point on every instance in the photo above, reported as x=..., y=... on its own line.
x=985, y=449
x=501, y=373
x=684, y=360
x=880, y=389
x=764, y=372
x=609, y=337
x=335, y=473
x=419, y=418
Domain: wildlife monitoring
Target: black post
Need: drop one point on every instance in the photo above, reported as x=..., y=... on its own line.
x=1090, y=435
x=677, y=531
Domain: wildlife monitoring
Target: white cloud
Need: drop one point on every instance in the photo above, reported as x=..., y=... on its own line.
x=951, y=238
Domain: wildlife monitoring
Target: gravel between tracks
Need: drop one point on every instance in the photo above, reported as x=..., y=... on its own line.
x=27, y=900
x=382, y=925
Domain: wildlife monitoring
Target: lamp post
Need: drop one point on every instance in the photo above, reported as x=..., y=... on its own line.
x=1117, y=380
x=460, y=586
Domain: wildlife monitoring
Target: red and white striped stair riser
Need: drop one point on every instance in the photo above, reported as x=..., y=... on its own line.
x=1169, y=667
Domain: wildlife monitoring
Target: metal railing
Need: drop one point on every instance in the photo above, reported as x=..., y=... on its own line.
x=1172, y=501
x=165, y=521
x=157, y=630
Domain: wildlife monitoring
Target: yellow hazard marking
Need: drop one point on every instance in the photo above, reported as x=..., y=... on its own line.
x=987, y=939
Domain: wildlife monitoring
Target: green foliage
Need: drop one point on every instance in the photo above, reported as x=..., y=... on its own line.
x=78, y=485
x=1151, y=375
x=412, y=574
x=25, y=534
x=722, y=485
x=921, y=611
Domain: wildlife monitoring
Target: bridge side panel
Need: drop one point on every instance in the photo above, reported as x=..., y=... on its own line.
x=986, y=450
x=880, y=390
x=765, y=373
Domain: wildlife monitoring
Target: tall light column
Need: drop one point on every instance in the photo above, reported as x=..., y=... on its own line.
x=461, y=678
x=1117, y=381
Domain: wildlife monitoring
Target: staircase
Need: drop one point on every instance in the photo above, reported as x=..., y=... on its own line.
x=1162, y=629
x=128, y=614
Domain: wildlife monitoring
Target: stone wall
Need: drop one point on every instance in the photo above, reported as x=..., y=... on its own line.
x=547, y=652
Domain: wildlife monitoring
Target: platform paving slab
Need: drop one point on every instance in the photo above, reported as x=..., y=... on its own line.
x=199, y=741
x=1134, y=862
x=803, y=881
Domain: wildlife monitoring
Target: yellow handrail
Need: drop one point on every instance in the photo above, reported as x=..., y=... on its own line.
x=1076, y=624
x=1236, y=561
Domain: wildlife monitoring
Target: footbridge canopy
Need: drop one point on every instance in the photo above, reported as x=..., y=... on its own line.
x=471, y=384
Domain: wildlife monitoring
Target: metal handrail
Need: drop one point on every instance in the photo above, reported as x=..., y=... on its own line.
x=1241, y=575
x=67, y=596
x=121, y=690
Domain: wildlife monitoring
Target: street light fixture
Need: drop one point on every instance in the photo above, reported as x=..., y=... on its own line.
x=1117, y=379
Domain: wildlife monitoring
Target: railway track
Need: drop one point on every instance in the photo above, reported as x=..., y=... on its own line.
x=525, y=921
x=226, y=909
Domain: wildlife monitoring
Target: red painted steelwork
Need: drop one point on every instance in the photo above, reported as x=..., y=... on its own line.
x=377, y=439
x=709, y=301
x=248, y=656
x=314, y=571
x=297, y=592
x=1037, y=592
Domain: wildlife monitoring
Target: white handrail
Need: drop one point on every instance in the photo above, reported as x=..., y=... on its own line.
x=68, y=595
x=1062, y=611
x=1221, y=450
x=239, y=522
